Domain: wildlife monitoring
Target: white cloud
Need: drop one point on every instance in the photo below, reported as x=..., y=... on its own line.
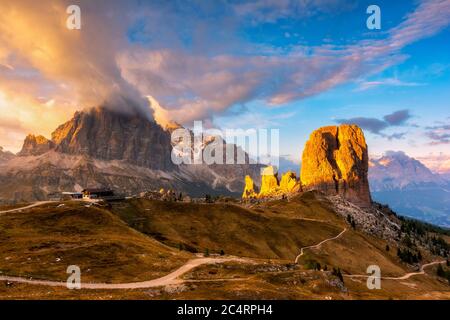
x=365, y=85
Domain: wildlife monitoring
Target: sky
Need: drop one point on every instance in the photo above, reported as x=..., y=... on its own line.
x=292, y=65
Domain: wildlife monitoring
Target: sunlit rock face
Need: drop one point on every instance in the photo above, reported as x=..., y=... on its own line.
x=269, y=182
x=35, y=145
x=289, y=183
x=249, y=189
x=335, y=161
x=270, y=187
x=108, y=135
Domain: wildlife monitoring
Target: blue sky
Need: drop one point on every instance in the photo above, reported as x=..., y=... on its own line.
x=286, y=64
x=419, y=83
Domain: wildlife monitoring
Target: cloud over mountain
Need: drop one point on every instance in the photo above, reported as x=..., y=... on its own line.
x=190, y=58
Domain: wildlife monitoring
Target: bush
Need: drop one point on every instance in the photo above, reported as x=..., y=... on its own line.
x=312, y=265
x=409, y=256
x=337, y=273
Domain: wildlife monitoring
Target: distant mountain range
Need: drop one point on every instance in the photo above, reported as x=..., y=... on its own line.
x=410, y=188
x=127, y=152
x=109, y=149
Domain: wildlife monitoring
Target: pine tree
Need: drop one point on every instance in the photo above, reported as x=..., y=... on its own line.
x=349, y=219
x=340, y=275
x=440, y=271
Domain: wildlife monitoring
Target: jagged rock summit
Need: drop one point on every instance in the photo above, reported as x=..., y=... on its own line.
x=335, y=160
x=5, y=155
x=270, y=186
x=35, y=145
x=249, y=189
x=107, y=135
x=104, y=148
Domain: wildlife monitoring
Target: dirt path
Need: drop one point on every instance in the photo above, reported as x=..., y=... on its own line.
x=38, y=203
x=171, y=278
x=319, y=244
x=404, y=277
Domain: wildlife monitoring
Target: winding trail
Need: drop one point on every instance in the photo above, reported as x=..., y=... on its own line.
x=38, y=203
x=173, y=277
x=404, y=277
x=170, y=279
x=319, y=244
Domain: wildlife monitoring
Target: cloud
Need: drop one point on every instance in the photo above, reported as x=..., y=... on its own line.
x=395, y=136
x=206, y=84
x=398, y=117
x=370, y=124
x=269, y=11
x=377, y=126
x=439, y=134
x=189, y=57
x=365, y=85
x=439, y=163
x=36, y=40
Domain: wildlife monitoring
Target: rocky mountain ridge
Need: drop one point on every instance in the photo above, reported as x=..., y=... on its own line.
x=6, y=155
x=410, y=188
x=396, y=170
x=102, y=148
x=334, y=161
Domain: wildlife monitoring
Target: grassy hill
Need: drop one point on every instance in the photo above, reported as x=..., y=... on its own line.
x=141, y=239
x=221, y=226
x=41, y=242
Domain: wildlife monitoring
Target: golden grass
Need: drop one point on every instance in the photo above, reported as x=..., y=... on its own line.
x=42, y=242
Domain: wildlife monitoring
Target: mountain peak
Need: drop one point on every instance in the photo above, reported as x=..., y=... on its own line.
x=335, y=161
x=112, y=135
x=396, y=170
x=5, y=155
x=35, y=145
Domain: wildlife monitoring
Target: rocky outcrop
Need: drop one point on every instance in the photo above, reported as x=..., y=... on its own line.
x=269, y=182
x=36, y=145
x=335, y=161
x=249, y=189
x=108, y=135
x=270, y=187
x=289, y=183
x=5, y=155
x=108, y=149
